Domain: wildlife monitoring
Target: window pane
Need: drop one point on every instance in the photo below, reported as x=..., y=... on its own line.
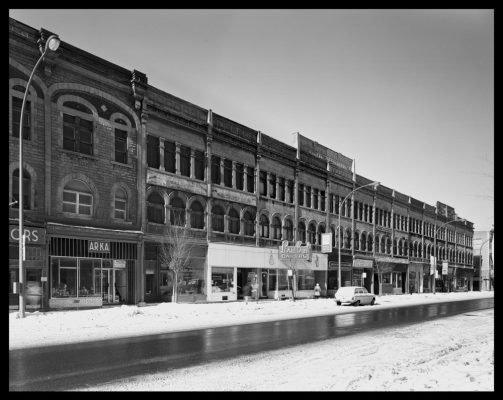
x=119, y=214
x=69, y=207
x=84, y=210
x=69, y=196
x=120, y=205
x=85, y=199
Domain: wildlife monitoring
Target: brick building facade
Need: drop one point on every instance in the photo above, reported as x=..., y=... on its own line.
x=113, y=166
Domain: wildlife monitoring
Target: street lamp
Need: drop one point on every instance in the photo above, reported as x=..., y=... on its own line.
x=51, y=44
x=435, y=247
x=375, y=184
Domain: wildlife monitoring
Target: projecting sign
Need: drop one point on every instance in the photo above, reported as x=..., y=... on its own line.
x=445, y=267
x=433, y=263
x=326, y=242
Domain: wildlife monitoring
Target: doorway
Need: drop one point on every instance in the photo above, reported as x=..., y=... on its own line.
x=263, y=284
x=376, y=284
x=104, y=284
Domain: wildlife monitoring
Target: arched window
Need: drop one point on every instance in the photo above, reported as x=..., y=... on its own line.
x=276, y=228
x=233, y=221
x=347, y=239
x=288, y=230
x=78, y=128
x=249, y=225
x=370, y=242
x=395, y=247
x=196, y=215
x=77, y=198
x=415, y=249
x=388, y=245
x=217, y=218
x=177, y=212
x=301, y=230
x=120, y=203
x=356, y=241
x=400, y=248
x=155, y=208
x=321, y=229
x=420, y=250
x=264, y=226
x=311, y=233
x=334, y=237
x=383, y=244
x=363, y=242
x=26, y=189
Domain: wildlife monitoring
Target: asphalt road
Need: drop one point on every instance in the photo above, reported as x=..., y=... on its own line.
x=73, y=366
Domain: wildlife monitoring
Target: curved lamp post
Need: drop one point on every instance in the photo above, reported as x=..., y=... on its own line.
x=375, y=184
x=51, y=44
x=435, y=247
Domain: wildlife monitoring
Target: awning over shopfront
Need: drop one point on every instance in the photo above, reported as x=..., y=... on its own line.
x=385, y=267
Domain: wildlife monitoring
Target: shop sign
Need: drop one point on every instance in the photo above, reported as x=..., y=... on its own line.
x=99, y=246
x=32, y=235
x=445, y=267
x=360, y=263
x=294, y=252
x=433, y=263
x=119, y=264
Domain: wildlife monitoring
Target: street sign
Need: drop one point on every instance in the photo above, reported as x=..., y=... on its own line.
x=445, y=267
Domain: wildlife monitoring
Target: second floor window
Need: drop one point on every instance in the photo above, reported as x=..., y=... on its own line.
x=16, y=118
x=215, y=170
x=199, y=165
x=121, y=146
x=153, y=159
x=250, y=179
x=77, y=134
x=185, y=161
x=239, y=176
x=228, y=173
x=170, y=156
x=26, y=189
x=120, y=204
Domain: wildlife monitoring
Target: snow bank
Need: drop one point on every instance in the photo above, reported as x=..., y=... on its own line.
x=57, y=327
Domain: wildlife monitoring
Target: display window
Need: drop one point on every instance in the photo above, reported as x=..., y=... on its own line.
x=222, y=279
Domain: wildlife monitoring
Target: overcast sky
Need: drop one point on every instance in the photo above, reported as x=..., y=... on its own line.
x=409, y=94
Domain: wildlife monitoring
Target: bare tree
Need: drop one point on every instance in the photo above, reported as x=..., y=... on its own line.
x=176, y=252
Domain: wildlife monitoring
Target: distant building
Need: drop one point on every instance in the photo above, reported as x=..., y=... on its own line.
x=483, y=250
x=113, y=166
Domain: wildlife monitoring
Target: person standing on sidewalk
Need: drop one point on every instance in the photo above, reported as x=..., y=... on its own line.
x=317, y=291
x=247, y=292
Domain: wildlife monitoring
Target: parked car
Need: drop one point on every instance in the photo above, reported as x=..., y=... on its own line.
x=355, y=295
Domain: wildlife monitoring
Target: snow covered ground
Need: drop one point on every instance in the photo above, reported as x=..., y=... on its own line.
x=450, y=354
x=55, y=327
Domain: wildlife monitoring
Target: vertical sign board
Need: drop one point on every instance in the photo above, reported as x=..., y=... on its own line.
x=432, y=265
x=445, y=267
x=326, y=242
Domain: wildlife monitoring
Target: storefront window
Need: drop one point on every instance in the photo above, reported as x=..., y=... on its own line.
x=386, y=278
x=346, y=277
x=64, y=277
x=305, y=279
x=222, y=279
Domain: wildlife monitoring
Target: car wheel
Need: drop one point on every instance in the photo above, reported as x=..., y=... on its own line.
x=356, y=303
x=373, y=301
x=338, y=303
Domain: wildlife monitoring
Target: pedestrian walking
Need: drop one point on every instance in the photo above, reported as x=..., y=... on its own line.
x=317, y=291
x=247, y=292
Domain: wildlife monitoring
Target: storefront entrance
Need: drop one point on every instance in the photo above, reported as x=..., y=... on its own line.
x=102, y=280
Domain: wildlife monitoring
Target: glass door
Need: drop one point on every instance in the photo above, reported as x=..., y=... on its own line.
x=103, y=284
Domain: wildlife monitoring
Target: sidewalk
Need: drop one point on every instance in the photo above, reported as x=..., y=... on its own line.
x=59, y=327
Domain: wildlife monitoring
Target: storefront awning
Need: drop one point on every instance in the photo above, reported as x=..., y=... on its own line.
x=385, y=267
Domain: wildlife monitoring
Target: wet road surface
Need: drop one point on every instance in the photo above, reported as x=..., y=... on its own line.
x=77, y=365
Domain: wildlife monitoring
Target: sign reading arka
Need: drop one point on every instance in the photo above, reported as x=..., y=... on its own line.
x=294, y=252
